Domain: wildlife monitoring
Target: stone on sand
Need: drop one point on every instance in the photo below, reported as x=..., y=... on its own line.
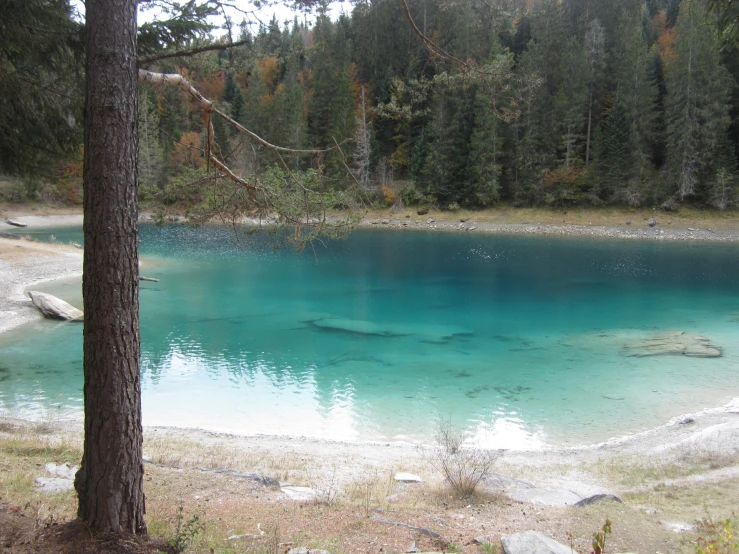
x=53, y=307
x=531, y=542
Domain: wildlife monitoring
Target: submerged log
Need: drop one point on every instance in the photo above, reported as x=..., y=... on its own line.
x=141, y=278
x=54, y=308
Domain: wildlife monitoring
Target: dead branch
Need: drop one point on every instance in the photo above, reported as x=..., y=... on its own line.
x=191, y=51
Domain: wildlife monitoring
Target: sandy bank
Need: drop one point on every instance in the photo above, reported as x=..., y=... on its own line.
x=24, y=264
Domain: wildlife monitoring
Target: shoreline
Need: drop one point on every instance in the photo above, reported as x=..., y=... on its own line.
x=551, y=230
x=25, y=263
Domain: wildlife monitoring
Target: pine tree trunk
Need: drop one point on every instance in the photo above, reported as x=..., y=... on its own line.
x=110, y=479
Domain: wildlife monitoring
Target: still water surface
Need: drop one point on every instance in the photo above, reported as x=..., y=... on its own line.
x=517, y=339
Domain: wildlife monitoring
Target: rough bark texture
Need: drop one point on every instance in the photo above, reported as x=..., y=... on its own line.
x=110, y=480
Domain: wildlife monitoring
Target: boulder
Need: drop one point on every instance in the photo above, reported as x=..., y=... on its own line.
x=531, y=542
x=675, y=343
x=54, y=308
x=652, y=222
x=15, y=223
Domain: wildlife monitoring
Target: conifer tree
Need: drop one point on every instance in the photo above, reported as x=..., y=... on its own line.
x=697, y=107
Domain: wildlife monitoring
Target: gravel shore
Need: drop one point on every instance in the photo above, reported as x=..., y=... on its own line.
x=637, y=231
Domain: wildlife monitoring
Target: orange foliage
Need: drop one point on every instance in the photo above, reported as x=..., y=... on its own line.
x=188, y=151
x=563, y=176
x=212, y=87
x=265, y=99
x=270, y=71
x=667, y=38
x=390, y=196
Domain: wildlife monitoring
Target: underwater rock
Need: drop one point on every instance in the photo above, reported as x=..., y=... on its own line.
x=358, y=326
x=675, y=343
x=531, y=542
x=434, y=334
x=54, y=308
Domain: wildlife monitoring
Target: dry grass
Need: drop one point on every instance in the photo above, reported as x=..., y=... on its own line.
x=244, y=516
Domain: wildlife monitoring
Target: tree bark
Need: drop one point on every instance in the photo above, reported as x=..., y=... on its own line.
x=110, y=480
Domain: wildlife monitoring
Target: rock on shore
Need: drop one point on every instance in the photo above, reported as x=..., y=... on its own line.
x=54, y=308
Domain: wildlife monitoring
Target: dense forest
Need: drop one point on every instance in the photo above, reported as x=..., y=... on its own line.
x=531, y=102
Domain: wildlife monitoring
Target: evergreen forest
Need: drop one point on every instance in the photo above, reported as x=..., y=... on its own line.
x=528, y=102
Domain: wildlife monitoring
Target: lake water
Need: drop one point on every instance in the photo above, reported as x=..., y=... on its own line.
x=519, y=340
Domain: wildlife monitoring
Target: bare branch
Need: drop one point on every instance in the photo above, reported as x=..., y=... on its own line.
x=191, y=51
x=429, y=44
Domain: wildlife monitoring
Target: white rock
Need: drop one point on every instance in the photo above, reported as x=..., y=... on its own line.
x=54, y=484
x=408, y=478
x=54, y=308
x=299, y=493
x=531, y=542
x=15, y=223
x=545, y=496
x=62, y=470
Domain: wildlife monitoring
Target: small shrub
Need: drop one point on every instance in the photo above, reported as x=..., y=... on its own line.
x=599, y=538
x=389, y=196
x=720, y=537
x=463, y=467
x=185, y=531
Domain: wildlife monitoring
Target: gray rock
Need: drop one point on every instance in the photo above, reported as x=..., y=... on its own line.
x=545, y=496
x=597, y=498
x=54, y=308
x=531, y=542
x=430, y=220
x=304, y=550
x=652, y=222
x=412, y=549
x=54, y=484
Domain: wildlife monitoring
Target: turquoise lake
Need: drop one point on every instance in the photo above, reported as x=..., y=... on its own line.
x=517, y=339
